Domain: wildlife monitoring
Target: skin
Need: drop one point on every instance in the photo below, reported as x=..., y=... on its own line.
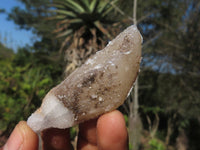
x=108, y=132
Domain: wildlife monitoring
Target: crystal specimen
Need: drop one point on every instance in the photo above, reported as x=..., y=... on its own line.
x=98, y=86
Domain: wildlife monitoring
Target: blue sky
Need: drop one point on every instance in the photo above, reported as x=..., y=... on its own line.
x=10, y=34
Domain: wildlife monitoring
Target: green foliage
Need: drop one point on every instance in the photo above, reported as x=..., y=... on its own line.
x=76, y=14
x=169, y=78
x=23, y=83
x=130, y=146
x=160, y=134
x=77, y=18
x=47, y=17
x=5, y=52
x=126, y=120
x=156, y=145
x=33, y=17
x=150, y=109
x=73, y=132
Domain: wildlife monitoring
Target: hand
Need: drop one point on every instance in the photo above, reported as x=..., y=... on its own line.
x=108, y=132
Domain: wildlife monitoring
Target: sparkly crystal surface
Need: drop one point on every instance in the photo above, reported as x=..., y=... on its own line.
x=98, y=86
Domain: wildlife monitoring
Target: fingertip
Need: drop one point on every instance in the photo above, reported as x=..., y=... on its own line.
x=111, y=131
x=56, y=139
x=22, y=138
x=87, y=139
x=87, y=131
x=30, y=138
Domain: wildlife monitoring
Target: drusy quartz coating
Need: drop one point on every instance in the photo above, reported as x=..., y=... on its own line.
x=98, y=86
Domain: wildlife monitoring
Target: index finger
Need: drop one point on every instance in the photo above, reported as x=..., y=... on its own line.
x=56, y=139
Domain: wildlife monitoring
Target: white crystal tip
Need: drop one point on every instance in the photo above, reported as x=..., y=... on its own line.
x=52, y=113
x=35, y=122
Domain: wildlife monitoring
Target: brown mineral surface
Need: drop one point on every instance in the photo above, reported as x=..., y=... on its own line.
x=98, y=86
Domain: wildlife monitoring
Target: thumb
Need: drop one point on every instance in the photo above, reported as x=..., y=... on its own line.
x=22, y=138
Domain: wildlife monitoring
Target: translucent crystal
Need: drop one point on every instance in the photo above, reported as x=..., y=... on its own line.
x=98, y=86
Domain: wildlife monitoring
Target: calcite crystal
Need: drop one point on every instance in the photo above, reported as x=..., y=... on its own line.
x=98, y=86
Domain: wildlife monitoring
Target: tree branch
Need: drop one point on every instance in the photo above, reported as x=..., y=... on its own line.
x=135, y=12
x=119, y=10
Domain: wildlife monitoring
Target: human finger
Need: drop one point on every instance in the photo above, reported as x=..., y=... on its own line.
x=56, y=139
x=111, y=132
x=22, y=138
x=87, y=139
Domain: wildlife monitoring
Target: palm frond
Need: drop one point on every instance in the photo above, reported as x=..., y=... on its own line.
x=102, y=29
x=82, y=17
x=93, y=5
x=64, y=12
x=65, y=33
x=74, y=5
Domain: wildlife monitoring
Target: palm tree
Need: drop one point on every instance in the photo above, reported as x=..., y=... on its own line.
x=83, y=24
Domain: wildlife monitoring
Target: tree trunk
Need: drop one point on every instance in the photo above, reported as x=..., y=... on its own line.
x=136, y=103
x=135, y=124
x=135, y=128
x=170, y=127
x=182, y=141
x=155, y=126
x=169, y=131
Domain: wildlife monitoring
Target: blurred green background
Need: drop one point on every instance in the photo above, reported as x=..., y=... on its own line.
x=162, y=112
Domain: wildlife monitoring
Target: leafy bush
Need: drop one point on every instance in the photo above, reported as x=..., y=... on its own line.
x=24, y=81
x=156, y=145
